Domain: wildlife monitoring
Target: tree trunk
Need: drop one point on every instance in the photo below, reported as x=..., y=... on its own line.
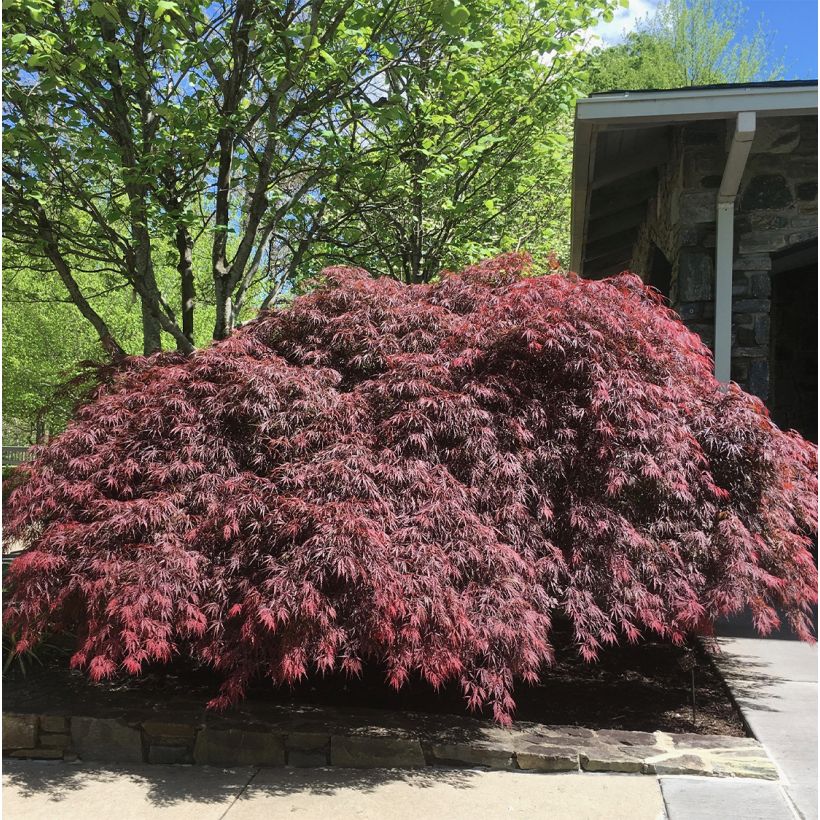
x=224, y=308
x=432, y=265
x=107, y=339
x=40, y=431
x=185, y=266
x=151, y=335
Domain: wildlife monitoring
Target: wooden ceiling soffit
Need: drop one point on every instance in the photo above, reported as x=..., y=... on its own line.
x=601, y=247
x=615, y=223
x=614, y=257
x=639, y=161
x=614, y=199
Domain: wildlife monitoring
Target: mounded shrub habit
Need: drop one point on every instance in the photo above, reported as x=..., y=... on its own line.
x=423, y=477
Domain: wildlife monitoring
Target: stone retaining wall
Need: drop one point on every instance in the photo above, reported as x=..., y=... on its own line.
x=323, y=740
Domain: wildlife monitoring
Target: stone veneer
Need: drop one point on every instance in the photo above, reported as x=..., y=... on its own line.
x=369, y=739
x=776, y=208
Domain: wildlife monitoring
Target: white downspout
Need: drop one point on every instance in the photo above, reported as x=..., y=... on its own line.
x=725, y=241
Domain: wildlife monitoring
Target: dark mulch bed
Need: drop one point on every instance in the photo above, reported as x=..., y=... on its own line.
x=642, y=688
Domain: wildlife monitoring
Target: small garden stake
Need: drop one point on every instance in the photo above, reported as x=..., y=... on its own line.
x=694, y=707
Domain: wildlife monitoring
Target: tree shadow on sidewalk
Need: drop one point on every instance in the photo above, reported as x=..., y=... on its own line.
x=168, y=785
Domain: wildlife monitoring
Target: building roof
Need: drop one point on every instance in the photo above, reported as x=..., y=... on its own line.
x=622, y=138
x=711, y=87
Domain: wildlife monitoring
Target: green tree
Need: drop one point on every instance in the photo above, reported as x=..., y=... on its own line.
x=44, y=339
x=134, y=125
x=468, y=149
x=686, y=43
x=145, y=136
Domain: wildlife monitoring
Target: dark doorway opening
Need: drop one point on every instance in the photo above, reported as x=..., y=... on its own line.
x=793, y=344
x=660, y=272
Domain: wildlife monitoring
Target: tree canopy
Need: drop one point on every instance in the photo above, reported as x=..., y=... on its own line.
x=468, y=150
x=425, y=478
x=247, y=130
x=686, y=43
x=172, y=166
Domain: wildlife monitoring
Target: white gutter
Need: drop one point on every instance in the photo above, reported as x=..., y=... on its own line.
x=725, y=241
x=633, y=107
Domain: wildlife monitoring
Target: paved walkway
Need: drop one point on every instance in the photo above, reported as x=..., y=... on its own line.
x=709, y=798
x=44, y=790
x=775, y=684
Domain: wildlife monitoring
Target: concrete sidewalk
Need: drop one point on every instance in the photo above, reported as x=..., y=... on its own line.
x=42, y=790
x=710, y=798
x=775, y=684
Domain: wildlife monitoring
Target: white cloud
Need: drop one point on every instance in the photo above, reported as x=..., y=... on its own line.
x=608, y=34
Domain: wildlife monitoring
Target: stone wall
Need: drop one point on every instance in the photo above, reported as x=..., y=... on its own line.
x=393, y=740
x=776, y=208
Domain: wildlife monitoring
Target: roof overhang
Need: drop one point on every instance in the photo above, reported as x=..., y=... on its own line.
x=647, y=115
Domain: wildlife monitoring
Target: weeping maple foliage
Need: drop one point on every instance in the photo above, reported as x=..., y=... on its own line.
x=424, y=477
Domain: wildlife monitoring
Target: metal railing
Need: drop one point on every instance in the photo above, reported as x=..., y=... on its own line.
x=15, y=454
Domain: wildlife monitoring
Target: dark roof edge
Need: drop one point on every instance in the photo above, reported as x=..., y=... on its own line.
x=714, y=87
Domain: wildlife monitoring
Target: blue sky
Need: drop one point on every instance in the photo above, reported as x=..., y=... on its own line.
x=792, y=25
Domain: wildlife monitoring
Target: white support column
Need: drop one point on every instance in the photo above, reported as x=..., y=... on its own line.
x=725, y=241
x=724, y=252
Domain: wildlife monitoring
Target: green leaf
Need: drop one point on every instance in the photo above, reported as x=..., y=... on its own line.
x=39, y=60
x=105, y=12
x=455, y=14
x=165, y=8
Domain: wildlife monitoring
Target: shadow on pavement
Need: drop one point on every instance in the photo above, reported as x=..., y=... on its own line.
x=170, y=785
x=164, y=785
x=328, y=780
x=748, y=679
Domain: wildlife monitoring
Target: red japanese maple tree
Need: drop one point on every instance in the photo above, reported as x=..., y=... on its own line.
x=423, y=477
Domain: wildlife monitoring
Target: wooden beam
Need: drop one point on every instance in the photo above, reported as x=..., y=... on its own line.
x=583, y=161
x=638, y=163
x=615, y=198
x=622, y=239
x=665, y=107
x=608, y=226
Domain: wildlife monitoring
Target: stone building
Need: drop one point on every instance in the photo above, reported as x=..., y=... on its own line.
x=710, y=194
